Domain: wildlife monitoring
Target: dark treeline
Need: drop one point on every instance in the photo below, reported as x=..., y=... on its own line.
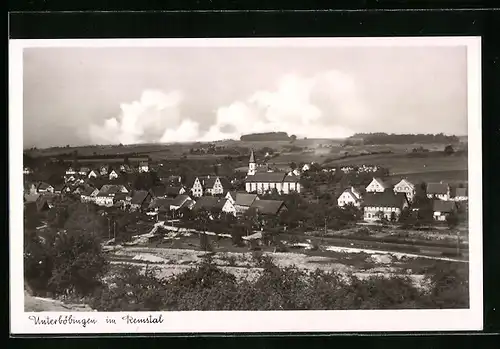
x=385, y=138
x=268, y=136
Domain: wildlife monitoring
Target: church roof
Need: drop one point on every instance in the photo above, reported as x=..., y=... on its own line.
x=273, y=177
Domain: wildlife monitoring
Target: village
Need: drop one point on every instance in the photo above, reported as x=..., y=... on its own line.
x=263, y=193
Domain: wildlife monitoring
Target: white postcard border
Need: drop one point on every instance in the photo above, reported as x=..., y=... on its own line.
x=251, y=321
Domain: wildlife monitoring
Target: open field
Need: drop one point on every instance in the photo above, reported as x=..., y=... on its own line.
x=404, y=164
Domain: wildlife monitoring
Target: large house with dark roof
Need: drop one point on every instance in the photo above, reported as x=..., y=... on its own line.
x=387, y=205
x=443, y=209
x=439, y=191
x=264, y=182
x=140, y=200
x=105, y=196
x=268, y=207
x=214, y=204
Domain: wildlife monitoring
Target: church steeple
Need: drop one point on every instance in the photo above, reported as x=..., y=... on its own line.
x=251, y=165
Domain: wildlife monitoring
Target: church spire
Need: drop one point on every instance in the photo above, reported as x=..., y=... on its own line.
x=251, y=165
x=252, y=158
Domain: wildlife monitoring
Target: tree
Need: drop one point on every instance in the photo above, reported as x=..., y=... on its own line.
x=293, y=138
x=452, y=220
x=448, y=150
x=293, y=165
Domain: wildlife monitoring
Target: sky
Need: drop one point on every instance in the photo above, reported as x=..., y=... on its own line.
x=82, y=96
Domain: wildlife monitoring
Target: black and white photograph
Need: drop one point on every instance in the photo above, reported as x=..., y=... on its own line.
x=245, y=185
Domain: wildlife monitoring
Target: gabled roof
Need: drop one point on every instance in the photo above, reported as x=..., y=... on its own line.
x=266, y=177
x=407, y=182
x=88, y=190
x=381, y=182
x=109, y=189
x=437, y=188
x=163, y=204
x=351, y=193
x=243, y=199
x=444, y=206
x=209, y=202
x=139, y=196
x=386, y=199
x=267, y=207
x=180, y=200
x=233, y=194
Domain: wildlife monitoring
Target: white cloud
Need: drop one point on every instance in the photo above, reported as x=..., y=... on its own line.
x=326, y=105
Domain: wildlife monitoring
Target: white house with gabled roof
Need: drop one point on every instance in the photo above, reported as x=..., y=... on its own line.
x=349, y=196
x=406, y=187
x=376, y=186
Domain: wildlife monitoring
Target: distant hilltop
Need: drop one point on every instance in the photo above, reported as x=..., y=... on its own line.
x=267, y=136
x=386, y=138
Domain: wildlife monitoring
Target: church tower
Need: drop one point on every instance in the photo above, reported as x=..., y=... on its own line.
x=251, y=165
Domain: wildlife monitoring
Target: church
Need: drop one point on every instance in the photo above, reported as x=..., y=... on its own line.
x=264, y=182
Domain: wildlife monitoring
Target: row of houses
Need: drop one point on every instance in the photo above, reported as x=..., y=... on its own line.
x=383, y=200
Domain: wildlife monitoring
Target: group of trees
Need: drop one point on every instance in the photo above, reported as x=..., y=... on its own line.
x=385, y=138
x=267, y=136
x=66, y=258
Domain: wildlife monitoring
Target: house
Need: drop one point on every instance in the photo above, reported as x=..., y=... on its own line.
x=113, y=175
x=210, y=185
x=143, y=167
x=377, y=185
x=244, y=201
x=406, y=187
x=27, y=171
x=439, y=191
x=306, y=167
x=173, y=191
x=215, y=185
x=214, y=204
x=268, y=207
x=140, y=200
x=84, y=171
x=43, y=187
x=161, y=204
x=388, y=205
x=70, y=172
x=180, y=201
x=197, y=188
x=105, y=196
x=443, y=208
x=122, y=200
x=88, y=194
x=349, y=196
x=263, y=182
x=93, y=174
x=460, y=194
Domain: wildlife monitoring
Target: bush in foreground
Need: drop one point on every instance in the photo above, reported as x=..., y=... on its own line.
x=208, y=287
